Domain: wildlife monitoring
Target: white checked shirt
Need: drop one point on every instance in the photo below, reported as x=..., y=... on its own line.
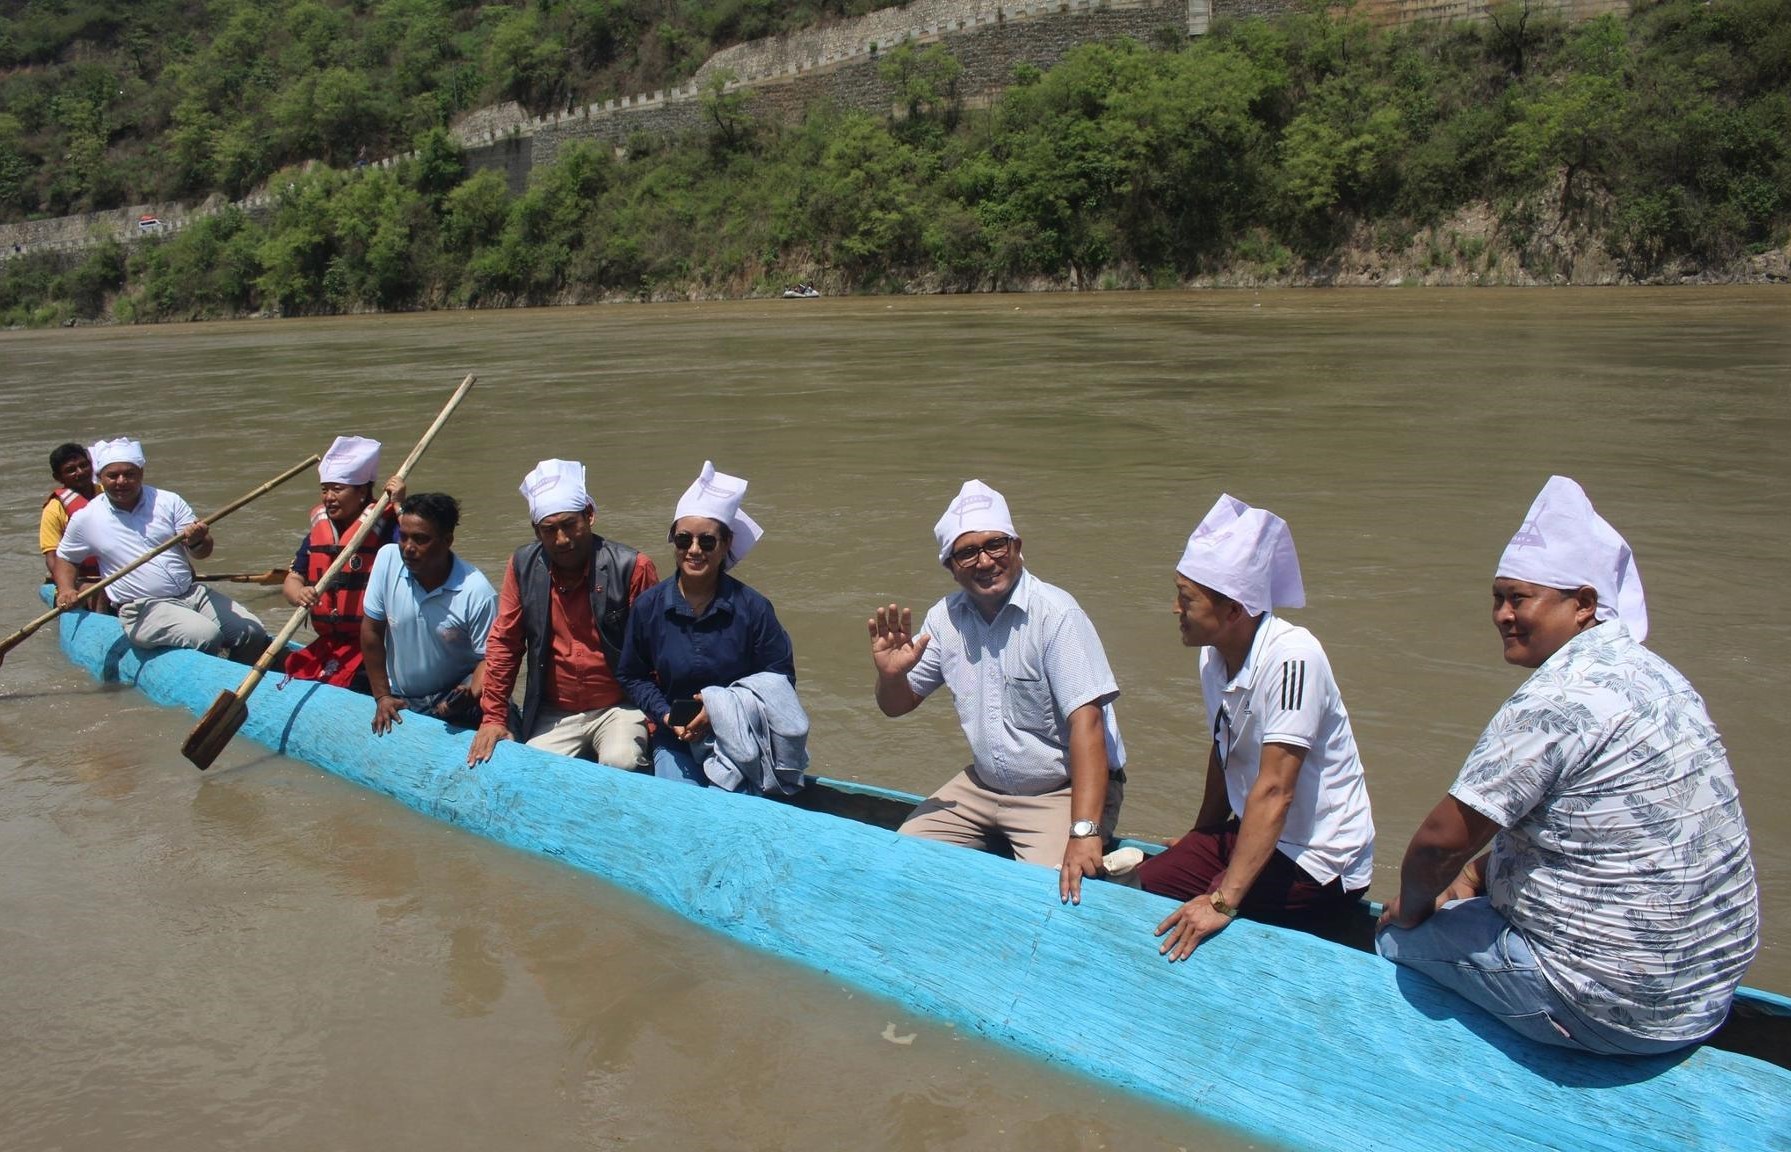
x=1016, y=679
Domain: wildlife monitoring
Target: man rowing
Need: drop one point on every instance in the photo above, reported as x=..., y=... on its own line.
x=1617, y=909
x=563, y=613
x=1034, y=696
x=1284, y=833
x=72, y=467
x=160, y=605
x=424, y=620
x=346, y=476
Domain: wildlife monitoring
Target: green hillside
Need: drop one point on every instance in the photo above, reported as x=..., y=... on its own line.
x=1652, y=148
x=106, y=103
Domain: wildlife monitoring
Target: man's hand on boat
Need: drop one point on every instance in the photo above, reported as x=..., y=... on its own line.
x=485, y=740
x=1081, y=857
x=387, y=711
x=1188, y=925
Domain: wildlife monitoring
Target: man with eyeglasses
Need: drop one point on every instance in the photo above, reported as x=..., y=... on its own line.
x=563, y=611
x=1034, y=695
x=1284, y=834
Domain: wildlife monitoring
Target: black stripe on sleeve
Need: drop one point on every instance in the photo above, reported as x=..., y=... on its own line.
x=1293, y=684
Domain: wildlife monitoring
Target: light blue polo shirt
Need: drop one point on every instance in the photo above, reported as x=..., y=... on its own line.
x=433, y=638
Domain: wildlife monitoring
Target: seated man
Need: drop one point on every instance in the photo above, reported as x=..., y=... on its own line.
x=1033, y=692
x=72, y=466
x=160, y=605
x=1284, y=834
x=424, y=620
x=1617, y=909
x=345, y=479
x=564, y=612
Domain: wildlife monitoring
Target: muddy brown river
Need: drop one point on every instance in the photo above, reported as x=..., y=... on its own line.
x=267, y=955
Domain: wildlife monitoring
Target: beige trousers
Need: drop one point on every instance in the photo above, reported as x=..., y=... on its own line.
x=1038, y=827
x=614, y=736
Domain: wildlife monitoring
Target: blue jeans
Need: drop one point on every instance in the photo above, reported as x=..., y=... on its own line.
x=1470, y=949
x=673, y=759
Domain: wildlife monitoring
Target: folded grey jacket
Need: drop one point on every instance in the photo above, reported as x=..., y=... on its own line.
x=759, y=735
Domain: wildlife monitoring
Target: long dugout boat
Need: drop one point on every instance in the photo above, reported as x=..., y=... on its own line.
x=1277, y=1034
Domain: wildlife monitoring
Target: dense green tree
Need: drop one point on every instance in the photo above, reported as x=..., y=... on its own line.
x=1665, y=138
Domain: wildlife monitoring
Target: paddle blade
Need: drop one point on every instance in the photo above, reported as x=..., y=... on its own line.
x=215, y=729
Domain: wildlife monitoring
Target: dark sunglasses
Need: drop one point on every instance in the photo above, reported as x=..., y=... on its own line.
x=994, y=549
x=706, y=541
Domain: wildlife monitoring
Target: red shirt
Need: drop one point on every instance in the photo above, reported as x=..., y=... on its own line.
x=578, y=676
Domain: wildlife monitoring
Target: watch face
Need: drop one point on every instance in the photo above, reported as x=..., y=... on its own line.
x=1082, y=828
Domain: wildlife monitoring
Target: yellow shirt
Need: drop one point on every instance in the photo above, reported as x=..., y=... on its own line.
x=51, y=527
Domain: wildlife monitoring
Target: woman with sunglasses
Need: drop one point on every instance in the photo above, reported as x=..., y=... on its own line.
x=700, y=626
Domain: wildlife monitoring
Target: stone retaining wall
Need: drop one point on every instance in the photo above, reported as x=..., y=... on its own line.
x=988, y=50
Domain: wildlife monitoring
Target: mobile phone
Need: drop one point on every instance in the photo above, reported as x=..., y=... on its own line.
x=684, y=711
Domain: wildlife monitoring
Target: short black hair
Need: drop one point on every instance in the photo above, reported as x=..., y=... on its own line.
x=439, y=508
x=63, y=454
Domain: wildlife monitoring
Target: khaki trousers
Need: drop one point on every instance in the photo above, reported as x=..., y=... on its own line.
x=614, y=736
x=202, y=619
x=1037, y=827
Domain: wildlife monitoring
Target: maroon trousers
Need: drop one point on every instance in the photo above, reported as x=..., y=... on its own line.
x=1284, y=893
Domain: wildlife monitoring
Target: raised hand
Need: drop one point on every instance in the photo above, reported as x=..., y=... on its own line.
x=895, y=650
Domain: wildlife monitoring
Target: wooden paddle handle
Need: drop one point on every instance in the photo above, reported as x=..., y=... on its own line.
x=81, y=594
x=353, y=542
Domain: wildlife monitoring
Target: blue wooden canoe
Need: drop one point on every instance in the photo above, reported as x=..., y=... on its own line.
x=1274, y=1033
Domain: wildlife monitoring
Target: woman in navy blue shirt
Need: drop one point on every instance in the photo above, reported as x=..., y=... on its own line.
x=699, y=627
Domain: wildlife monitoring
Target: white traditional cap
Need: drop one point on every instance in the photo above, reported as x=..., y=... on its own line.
x=555, y=486
x=976, y=508
x=1564, y=543
x=350, y=460
x=1247, y=554
x=120, y=451
x=717, y=496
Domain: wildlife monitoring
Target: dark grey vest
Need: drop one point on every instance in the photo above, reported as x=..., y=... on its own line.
x=612, y=568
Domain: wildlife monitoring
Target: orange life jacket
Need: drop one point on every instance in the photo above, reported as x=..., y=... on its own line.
x=73, y=502
x=335, y=656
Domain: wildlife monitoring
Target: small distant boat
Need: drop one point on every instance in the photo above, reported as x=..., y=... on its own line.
x=1284, y=1036
x=803, y=291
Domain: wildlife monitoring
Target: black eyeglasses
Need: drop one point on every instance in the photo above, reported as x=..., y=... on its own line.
x=994, y=549
x=707, y=541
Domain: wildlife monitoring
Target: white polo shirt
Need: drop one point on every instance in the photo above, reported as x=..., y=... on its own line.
x=1016, y=679
x=1285, y=694
x=117, y=538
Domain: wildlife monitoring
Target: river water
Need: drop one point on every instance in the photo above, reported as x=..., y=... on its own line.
x=268, y=954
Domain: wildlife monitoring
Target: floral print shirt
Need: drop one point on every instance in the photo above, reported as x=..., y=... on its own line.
x=1623, y=857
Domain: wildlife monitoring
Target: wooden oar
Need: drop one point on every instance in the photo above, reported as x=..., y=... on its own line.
x=271, y=576
x=83, y=593
x=226, y=715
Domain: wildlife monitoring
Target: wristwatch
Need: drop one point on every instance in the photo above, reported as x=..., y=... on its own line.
x=1221, y=907
x=1083, y=829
